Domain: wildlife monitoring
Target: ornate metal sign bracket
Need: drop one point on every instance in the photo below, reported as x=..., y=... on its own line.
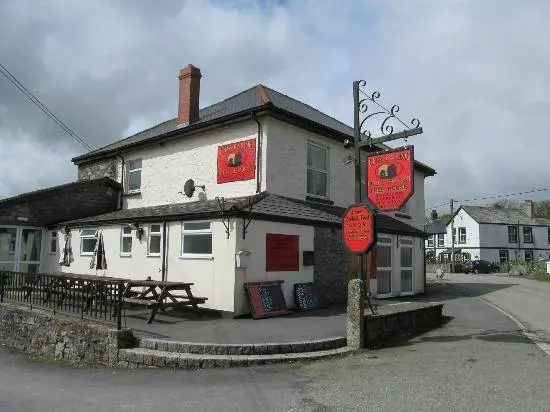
x=221, y=204
x=248, y=219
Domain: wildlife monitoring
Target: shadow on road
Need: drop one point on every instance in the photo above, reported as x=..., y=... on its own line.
x=509, y=336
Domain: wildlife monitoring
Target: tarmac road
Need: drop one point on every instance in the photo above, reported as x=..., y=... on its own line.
x=479, y=361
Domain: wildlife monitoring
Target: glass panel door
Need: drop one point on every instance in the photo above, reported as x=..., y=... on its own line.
x=383, y=267
x=406, y=265
x=8, y=237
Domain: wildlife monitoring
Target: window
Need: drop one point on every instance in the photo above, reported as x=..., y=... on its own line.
x=384, y=266
x=527, y=235
x=134, y=175
x=88, y=239
x=404, y=209
x=126, y=241
x=153, y=242
x=549, y=235
x=461, y=235
x=441, y=240
x=528, y=255
x=431, y=241
x=454, y=235
x=512, y=234
x=196, y=239
x=406, y=265
x=503, y=256
x=8, y=238
x=317, y=170
x=53, y=241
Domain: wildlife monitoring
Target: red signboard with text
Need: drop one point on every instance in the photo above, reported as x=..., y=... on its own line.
x=390, y=178
x=358, y=229
x=282, y=252
x=237, y=161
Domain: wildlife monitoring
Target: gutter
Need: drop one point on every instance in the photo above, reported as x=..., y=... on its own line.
x=122, y=167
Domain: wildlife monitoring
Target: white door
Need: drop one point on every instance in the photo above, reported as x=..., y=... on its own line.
x=406, y=265
x=383, y=267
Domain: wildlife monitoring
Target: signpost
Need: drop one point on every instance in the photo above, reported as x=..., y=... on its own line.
x=390, y=177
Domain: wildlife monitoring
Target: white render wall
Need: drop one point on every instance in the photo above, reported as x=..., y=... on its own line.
x=287, y=169
x=166, y=168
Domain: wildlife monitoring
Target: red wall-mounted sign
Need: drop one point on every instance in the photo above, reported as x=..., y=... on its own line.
x=282, y=252
x=358, y=229
x=237, y=161
x=390, y=178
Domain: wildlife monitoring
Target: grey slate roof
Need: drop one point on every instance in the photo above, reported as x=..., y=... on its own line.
x=266, y=206
x=255, y=98
x=484, y=214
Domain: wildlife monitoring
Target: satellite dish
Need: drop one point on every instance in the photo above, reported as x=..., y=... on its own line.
x=189, y=188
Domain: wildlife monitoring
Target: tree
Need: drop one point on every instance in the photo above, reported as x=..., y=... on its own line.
x=505, y=204
x=542, y=209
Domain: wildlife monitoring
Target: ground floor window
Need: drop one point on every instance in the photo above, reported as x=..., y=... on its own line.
x=20, y=249
x=126, y=241
x=154, y=240
x=503, y=256
x=383, y=265
x=196, y=239
x=88, y=239
x=528, y=255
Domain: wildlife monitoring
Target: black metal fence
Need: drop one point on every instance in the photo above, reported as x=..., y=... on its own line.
x=88, y=296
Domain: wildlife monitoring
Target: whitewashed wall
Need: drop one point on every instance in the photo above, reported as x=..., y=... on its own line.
x=287, y=169
x=255, y=242
x=166, y=168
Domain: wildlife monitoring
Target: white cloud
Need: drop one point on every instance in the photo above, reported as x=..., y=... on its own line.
x=475, y=73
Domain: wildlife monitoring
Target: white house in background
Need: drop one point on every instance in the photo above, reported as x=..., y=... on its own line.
x=270, y=183
x=495, y=235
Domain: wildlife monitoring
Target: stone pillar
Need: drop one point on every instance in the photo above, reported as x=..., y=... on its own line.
x=356, y=313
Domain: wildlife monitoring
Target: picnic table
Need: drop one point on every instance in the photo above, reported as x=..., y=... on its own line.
x=156, y=294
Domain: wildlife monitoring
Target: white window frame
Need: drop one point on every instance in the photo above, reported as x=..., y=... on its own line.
x=94, y=236
x=52, y=237
x=461, y=232
x=126, y=235
x=327, y=171
x=503, y=253
x=150, y=234
x=514, y=230
x=406, y=243
x=431, y=241
x=191, y=232
x=530, y=251
x=131, y=170
x=530, y=235
x=441, y=240
x=385, y=241
x=404, y=210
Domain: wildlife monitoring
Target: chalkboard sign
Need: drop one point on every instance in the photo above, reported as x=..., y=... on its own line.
x=266, y=299
x=306, y=296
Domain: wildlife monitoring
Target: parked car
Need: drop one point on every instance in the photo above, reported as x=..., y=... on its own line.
x=479, y=266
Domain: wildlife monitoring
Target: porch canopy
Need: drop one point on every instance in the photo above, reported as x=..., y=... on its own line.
x=47, y=207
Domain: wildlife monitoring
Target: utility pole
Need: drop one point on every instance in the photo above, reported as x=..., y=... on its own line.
x=452, y=237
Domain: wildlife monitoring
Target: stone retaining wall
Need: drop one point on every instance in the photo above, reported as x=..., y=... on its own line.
x=41, y=333
x=398, y=323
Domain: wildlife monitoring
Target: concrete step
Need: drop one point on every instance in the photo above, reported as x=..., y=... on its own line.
x=242, y=349
x=150, y=358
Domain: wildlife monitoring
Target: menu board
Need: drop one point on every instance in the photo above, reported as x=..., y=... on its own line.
x=306, y=296
x=266, y=299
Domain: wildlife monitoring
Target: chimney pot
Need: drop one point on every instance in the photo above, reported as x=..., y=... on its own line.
x=189, y=92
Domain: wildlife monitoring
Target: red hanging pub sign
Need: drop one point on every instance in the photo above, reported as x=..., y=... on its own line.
x=358, y=229
x=390, y=178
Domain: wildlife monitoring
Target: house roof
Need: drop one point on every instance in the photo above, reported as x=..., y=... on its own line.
x=253, y=100
x=493, y=215
x=73, y=200
x=265, y=206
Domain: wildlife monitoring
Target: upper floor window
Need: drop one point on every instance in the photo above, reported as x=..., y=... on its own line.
x=88, y=240
x=317, y=170
x=53, y=241
x=527, y=235
x=512, y=234
x=461, y=235
x=196, y=239
x=431, y=241
x=134, y=175
x=549, y=235
x=441, y=240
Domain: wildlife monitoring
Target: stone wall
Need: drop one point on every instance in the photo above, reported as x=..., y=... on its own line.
x=330, y=273
x=41, y=333
x=97, y=169
x=402, y=320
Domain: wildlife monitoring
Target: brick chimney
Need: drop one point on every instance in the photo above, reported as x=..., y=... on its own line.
x=190, y=85
x=529, y=208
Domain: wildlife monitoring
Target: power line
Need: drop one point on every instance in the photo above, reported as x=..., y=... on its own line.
x=28, y=94
x=488, y=198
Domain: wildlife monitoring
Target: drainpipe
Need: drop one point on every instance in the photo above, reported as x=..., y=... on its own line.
x=258, y=153
x=164, y=247
x=123, y=165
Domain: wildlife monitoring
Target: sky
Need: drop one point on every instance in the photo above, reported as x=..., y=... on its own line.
x=476, y=74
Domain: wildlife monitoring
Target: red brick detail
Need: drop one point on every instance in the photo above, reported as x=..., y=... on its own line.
x=189, y=91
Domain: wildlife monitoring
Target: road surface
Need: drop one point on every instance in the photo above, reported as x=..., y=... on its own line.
x=479, y=361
